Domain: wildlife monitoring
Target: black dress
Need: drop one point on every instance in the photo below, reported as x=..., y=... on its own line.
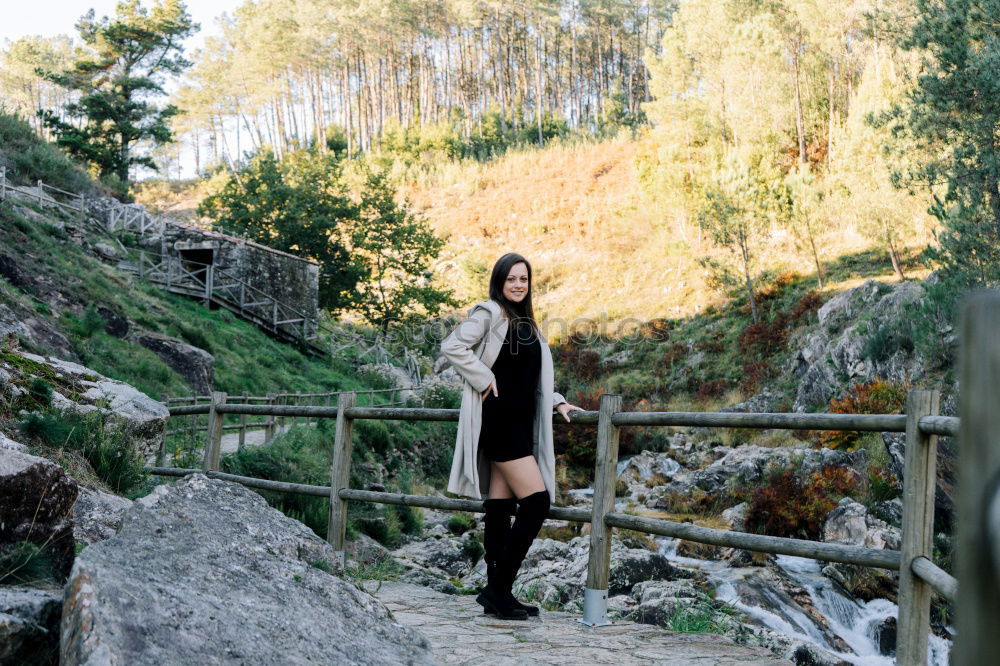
x=508, y=418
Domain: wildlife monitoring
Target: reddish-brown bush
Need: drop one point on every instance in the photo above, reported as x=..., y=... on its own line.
x=788, y=507
x=710, y=388
x=806, y=305
x=876, y=397
x=577, y=362
x=576, y=445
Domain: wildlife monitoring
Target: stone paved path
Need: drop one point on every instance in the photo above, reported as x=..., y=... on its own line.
x=460, y=633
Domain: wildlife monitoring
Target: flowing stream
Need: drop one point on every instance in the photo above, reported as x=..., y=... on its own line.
x=855, y=623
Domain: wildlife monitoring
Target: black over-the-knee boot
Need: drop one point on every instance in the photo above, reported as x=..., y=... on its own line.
x=531, y=513
x=495, y=597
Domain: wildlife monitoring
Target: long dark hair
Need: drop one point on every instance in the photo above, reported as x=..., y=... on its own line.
x=517, y=313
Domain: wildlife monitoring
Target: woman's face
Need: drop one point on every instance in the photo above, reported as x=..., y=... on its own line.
x=515, y=287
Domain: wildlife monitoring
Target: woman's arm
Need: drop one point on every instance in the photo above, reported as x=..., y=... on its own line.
x=457, y=348
x=557, y=399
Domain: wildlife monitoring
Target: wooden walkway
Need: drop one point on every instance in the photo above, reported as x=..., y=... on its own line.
x=460, y=633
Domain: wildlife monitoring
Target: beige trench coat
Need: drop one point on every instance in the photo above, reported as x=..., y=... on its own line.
x=471, y=349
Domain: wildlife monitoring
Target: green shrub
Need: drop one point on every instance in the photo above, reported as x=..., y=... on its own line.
x=109, y=450
x=40, y=391
x=410, y=519
x=33, y=159
x=299, y=456
x=703, y=616
x=460, y=523
x=25, y=563
x=472, y=549
x=887, y=339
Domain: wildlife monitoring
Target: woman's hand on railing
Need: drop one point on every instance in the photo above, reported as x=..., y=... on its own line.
x=565, y=408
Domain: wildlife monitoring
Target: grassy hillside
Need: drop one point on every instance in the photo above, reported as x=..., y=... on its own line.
x=599, y=242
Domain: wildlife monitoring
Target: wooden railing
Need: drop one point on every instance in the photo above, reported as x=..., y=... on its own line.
x=977, y=599
x=194, y=406
x=41, y=194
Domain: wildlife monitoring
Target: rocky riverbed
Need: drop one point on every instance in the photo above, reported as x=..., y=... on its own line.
x=806, y=611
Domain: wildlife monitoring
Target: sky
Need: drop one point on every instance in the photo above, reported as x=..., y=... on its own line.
x=49, y=18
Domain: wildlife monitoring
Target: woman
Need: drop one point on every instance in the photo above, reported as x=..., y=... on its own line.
x=503, y=449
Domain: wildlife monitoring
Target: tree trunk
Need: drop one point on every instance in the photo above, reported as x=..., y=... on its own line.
x=894, y=257
x=745, y=251
x=800, y=123
x=819, y=267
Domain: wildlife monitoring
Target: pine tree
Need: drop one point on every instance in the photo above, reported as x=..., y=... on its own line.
x=953, y=113
x=128, y=56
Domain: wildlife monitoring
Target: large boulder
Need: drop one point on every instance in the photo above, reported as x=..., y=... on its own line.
x=194, y=364
x=36, y=501
x=38, y=331
x=946, y=468
x=97, y=515
x=835, y=354
x=852, y=525
x=555, y=572
x=204, y=571
x=80, y=389
x=748, y=464
x=29, y=625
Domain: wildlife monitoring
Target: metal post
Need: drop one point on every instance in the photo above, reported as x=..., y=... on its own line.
x=243, y=425
x=595, y=595
x=213, y=444
x=978, y=604
x=340, y=476
x=919, y=484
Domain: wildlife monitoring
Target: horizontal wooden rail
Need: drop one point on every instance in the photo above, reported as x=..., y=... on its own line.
x=830, y=552
x=858, y=422
x=943, y=582
x=933, y=425
x=449, y=504
x=249, y=481
x=188, y=410
x=425, y=501
x=939, y=425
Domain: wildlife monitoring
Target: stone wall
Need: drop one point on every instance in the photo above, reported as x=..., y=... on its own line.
x=287, y=278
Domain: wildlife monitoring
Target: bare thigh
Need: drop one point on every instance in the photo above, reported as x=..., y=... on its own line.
x=498, y=485
x=521, y=476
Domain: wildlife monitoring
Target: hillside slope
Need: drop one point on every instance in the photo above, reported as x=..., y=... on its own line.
x=599, y=244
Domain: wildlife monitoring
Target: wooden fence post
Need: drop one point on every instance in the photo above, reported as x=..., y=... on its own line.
x=3, y=183
x=161, y=454
x=340, y=476
x=269, y=428
x=282, y=400
x=298, y=403
x=213, y=443
x=978, y=604
x=39, y=193
x=919, y=485
x=595, y=595
x=243, y=425
x=193, y=434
